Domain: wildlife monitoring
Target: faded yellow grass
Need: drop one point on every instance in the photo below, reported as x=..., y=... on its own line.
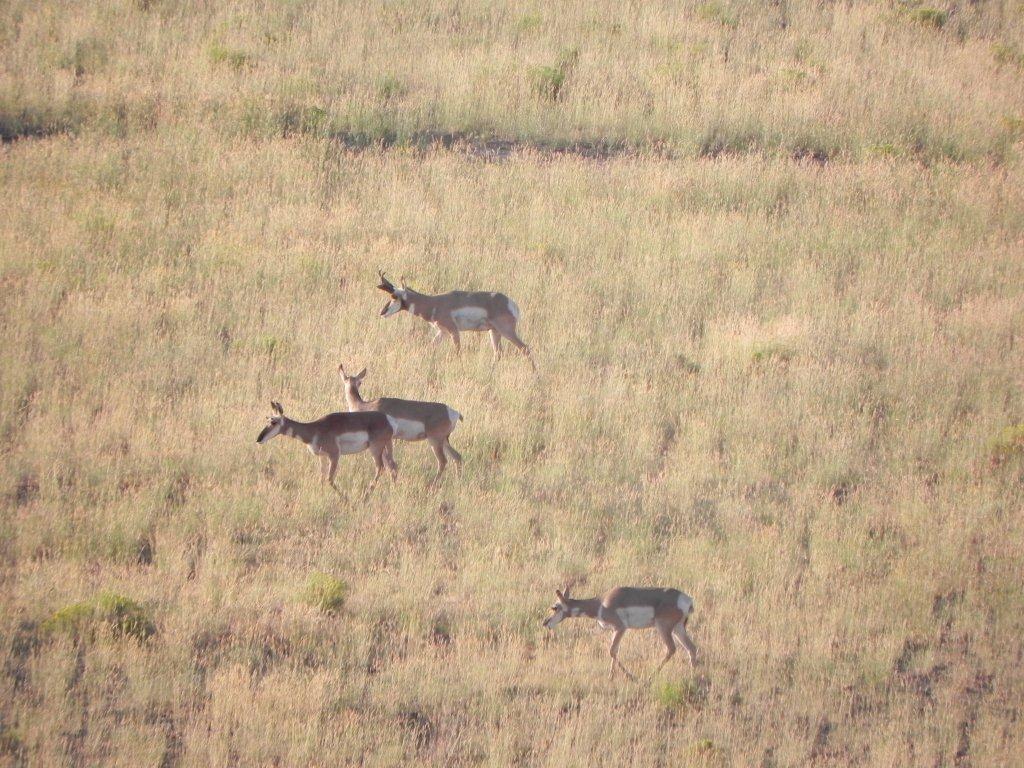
x=773, y=384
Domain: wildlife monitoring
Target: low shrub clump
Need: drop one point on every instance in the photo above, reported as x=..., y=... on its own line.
x=1008, y=444
x=325, y=593
x=121, y=615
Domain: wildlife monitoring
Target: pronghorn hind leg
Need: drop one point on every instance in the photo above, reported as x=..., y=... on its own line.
x=452, y=453
x=442, y=461
x=665, y=630
x=389, y=460
x=495, y=342
x=680, y=632
x=332, y=469
x=507, y=328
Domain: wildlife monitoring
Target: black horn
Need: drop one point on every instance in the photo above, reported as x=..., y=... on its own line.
x=385, y=284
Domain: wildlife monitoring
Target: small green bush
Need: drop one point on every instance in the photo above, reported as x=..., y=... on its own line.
x=677, y=695
x=1008, y=53
x=125, y=617
x=548, y=82
x=390, y=88
x=122, y=615
x=929, y=17
x=719, y=14
x=772, y=351
x=1008, y=444
x=235, y=58
x=325, y=593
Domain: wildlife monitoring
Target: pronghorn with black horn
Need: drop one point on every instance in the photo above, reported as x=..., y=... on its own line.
x=458, y=311
x=412, y=419
x=335, y=435
x=625, y=608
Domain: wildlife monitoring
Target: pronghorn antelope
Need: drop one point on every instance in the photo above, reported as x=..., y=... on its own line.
x=336, y=434
x=412, y=419
x=625, y=608
x=457, y=311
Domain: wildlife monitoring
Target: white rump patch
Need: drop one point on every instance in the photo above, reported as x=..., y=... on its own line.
x=454, y=416
x=513, y=310
x=408, y=429
x=685, y=604
x=637, y=617
x=352, y=442
x=470, y=319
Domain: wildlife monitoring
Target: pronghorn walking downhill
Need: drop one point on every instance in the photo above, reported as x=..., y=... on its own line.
x=335, y=435
x=458, y=311
x=625, y=608
x=413, y=419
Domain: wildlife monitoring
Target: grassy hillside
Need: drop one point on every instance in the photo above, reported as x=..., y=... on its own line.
x=769, y=259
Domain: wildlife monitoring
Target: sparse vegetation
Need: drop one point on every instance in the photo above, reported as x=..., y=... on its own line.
x=121, y=615
x=326, y=593
x=768, y=259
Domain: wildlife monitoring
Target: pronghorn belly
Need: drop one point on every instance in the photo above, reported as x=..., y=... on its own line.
x=352, y=442
x=471, y=319
x=408, y=429
x=637, y=617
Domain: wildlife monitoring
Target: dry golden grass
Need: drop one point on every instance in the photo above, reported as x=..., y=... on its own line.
x=790, y=387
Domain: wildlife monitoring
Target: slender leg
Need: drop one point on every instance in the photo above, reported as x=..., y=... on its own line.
x=614, y=652
x=665, y=630
x=684, y=638
x=452, y=453
x=507, y=328
x=442, y=460
x=454, y=333
x=389, y=459
x=378, y=459
x=496, y=342
x=438, y=334
x=325, y=467
x=332, y=470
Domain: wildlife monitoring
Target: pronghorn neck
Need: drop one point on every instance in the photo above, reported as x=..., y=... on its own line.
x=588, y=607
x=299, y=430
x=353, y=398
x=421, y=304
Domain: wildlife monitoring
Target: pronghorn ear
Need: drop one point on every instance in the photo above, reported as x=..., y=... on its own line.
x=360, y=375
x=559, y=595
x=341, y=369
x=277, y=407
x=402, y=283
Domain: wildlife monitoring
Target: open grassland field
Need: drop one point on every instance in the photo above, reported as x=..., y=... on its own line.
x=770, y=261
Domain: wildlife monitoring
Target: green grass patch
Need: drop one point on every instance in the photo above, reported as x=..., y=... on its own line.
x=718, y=13
x=548, y=82
x=237, y=59
x=122, y=616
x=1008, y=444
x=325, y=593
x=676, y=696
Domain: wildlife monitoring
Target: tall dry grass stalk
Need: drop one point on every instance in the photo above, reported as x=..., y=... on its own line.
x=787, y=387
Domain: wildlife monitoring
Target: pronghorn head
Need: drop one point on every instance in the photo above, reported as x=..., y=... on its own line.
x=352, y=383
x=275, y=424
x=399, y=296
x=560, y=609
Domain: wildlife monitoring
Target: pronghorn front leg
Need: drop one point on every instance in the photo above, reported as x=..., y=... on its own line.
x=614, y=652
x=378, y=459
x=496, y=342
x=438, y=334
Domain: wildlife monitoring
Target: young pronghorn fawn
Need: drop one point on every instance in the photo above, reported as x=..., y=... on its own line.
x=413, y=419
x=337, y=434
x=625, y=608
x=457, y=311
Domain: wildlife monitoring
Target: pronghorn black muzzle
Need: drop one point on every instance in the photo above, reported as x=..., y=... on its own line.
x=263, y=433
